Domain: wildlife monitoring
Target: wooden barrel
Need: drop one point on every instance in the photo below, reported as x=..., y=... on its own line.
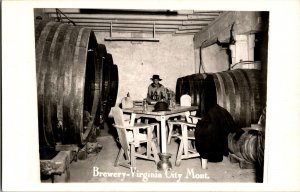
x=239, y=92
x=233, y=147
x=102, y=55
x=109, y=86
x=246, y=147
x=249, y=146
x=105, y=105
x=178, y=91
x=260, y=148
x=196, y=87
x=67, y=70
x=114, y=84
x=191, y=85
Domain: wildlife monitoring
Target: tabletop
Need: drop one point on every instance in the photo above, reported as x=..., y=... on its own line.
x=176, y=109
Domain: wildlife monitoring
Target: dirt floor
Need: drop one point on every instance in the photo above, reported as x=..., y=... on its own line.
x=99, y=167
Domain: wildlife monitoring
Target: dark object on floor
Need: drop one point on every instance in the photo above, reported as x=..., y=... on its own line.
x=212, y=131
x=93, y=147
x=56, y=168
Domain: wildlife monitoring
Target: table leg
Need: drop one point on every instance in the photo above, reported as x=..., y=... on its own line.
x=163, y=134
x=132, y=119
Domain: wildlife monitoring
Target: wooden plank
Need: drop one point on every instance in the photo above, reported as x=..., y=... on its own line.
x=57, y=165
x=68, y=147
x=61, y=160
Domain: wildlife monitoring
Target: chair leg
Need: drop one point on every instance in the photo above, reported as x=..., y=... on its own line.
x=148, y=153
x=170, y=132
x=154, y=151
x=158, y=134
x=120, y=154
x=179, y=154
x=132, y=156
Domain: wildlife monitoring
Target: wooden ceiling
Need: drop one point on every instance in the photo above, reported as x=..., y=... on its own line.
x=177, y=22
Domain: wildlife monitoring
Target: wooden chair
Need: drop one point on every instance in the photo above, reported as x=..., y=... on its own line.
x=130, y=138
x=185, y=100
x=186, y=148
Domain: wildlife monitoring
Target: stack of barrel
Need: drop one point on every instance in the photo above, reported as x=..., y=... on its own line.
x=75, y=76
x=240, y=92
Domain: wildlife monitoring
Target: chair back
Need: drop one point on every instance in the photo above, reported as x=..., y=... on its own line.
x=185, y=100
x=188, y=117
x=120, y=125
x=118, y=116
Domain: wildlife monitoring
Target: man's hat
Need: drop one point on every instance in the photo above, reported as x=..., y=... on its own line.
x=161, y=106
x=156, y=77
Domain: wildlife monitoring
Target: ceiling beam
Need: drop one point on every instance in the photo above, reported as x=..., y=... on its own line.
x=190, y=28
x=151, y=39
x=124, y=17
x=127, y=22
x=114, y=11
x=134, y=31
x=186, y=31
x=131, y=29
x=193, y=22
x=215, y=14
x=200, y=17
x=205, y=11
x=133, y=11
x=128, y=25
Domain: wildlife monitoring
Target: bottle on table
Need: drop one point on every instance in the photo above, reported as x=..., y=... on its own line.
x=145, y=105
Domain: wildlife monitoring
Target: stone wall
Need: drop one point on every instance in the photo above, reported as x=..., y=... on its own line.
x=171, y=57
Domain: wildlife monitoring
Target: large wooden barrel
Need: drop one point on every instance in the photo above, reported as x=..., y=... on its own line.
x=191, y=85
x=106, y=85
x=109, y=86
x=239, y=92
x=102, y=52
x=68, y=81
x=178, y=91
x=114, y=84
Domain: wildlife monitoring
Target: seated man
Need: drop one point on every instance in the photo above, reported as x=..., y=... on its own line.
x=156, y=91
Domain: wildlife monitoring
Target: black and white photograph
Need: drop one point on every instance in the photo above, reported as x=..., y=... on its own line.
x=150, y=96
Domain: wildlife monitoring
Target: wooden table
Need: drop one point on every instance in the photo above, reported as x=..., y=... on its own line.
x=162, y=116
